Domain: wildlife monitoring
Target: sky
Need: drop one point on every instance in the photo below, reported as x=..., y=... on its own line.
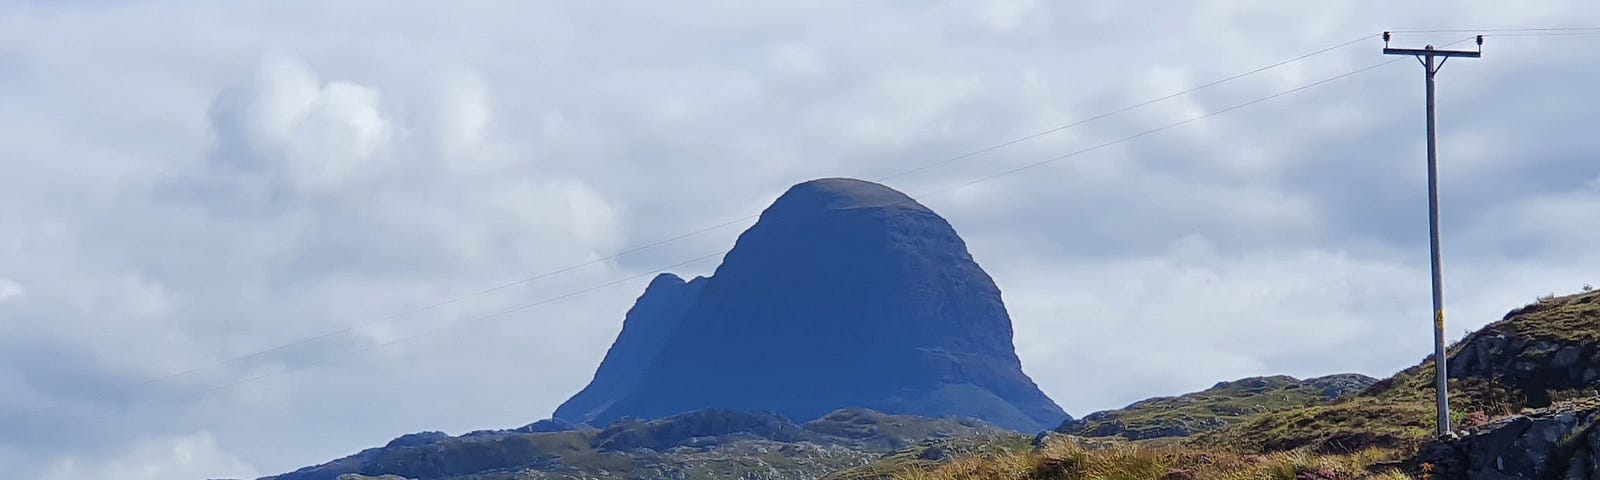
x=240, y=238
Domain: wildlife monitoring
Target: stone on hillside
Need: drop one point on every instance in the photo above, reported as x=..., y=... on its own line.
x=1557, y=442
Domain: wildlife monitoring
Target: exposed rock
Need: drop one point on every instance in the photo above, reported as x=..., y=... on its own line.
x=417, y=439
x=1045, y=440
x=1535, y=353
x=935, y=453
x=702, y=444
x=1549, y=346
x=879, y=431
x=844, y=294
x=1561, y=441
x=550, y=425
x=704, y=426
x=1334, y=387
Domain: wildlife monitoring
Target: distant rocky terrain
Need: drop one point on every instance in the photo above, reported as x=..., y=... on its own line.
x=1222, y=405
x=1523, y=408
x=701, y=444
x=845, y=293
x=850, y=336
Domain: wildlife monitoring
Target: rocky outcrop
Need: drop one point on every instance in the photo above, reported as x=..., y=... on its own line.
x=701, y=427
x=701, y=444
x=1533, y=356
x=1223, y=404
x=844, y=294
x=1557, y=442
x=551, y=425
x=1548, y=346
x=417, y=439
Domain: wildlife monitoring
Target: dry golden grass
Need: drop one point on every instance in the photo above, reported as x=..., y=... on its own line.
x=1067, y=461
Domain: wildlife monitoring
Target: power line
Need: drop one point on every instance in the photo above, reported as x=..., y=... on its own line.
x=1125, y=109
x=1498, y=30
x=1166, y=127
x=447, y=326
x=1177, y=124
x=740, y=220
x=1551, y=34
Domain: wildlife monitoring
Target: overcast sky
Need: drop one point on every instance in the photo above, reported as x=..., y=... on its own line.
x=183, y=184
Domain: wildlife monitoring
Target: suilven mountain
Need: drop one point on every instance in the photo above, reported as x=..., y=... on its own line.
x=845, y=293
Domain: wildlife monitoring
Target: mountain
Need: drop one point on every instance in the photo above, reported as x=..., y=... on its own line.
x=1223, y=404
x=645, y=329
x=845, y=293
x=700, y=444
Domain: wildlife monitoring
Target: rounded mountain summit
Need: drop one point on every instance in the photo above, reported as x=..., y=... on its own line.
x=845, y=293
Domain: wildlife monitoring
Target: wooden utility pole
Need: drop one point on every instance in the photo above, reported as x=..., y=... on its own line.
x=1430, y=67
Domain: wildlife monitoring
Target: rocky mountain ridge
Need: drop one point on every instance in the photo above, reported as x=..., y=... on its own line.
x=845, y=293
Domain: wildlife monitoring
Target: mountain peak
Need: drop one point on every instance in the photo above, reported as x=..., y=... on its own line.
x=846, y=293
x=826, y=194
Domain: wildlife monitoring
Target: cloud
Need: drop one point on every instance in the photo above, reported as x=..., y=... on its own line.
x=306, y=135
x=10, y=290
x=191, y=183
x=188, y=456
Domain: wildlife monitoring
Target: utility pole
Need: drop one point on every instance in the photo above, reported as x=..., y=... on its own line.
x=1427, y=57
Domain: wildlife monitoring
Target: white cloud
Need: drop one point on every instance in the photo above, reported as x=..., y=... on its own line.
x=194, y=455
x=10, y=290
x=1129, y=329
x=189, y=183
x=326, y=134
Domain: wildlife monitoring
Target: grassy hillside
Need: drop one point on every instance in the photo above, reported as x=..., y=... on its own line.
x=1545, y=352
x=1222, y=405
x=1133, y=460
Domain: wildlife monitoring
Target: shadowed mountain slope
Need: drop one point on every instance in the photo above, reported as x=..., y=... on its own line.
x=845, y=293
